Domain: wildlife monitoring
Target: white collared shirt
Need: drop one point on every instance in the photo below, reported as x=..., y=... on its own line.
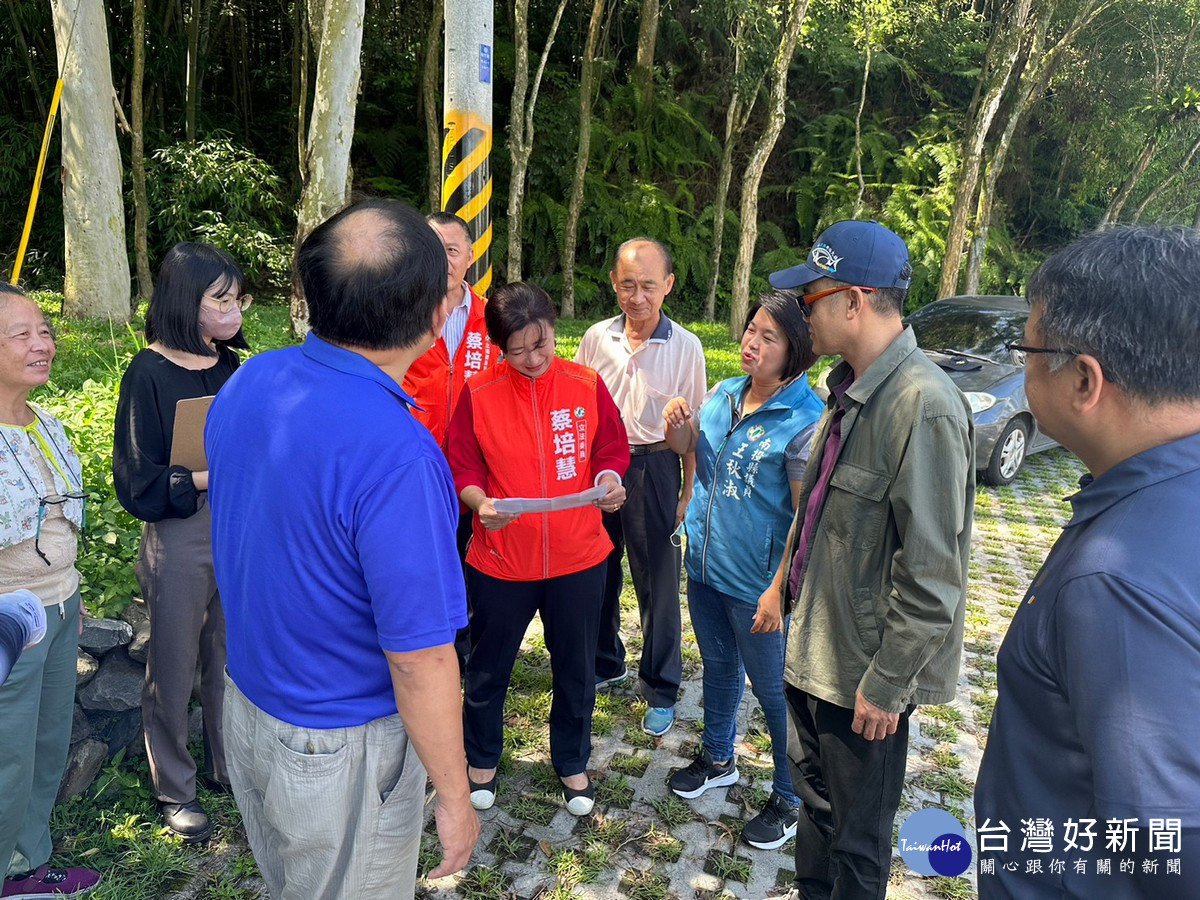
x=456, y=322
x=642, y=381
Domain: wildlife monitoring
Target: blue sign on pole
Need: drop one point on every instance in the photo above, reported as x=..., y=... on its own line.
x=485, y=64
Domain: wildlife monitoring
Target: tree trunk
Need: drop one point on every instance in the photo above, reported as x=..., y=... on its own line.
x=790, y=33
x=1117, y=206
x=339, y=33
x=575, y=203
x=643, y=72
x=862, y=103
x=1158, y=189
x=97, y=267
x=1039, y=68
x=137, y=162
x=737, y=117
x=520, y=126
x=998, y=68
x=192, y=85
x=430, y=79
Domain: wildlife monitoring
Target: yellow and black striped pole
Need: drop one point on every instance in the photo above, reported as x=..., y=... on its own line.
x=467, y=134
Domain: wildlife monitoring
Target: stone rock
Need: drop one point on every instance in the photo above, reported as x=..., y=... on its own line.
x=139, y=647
x=101, y=635
x=118, y=730
x=117, y=687
x=80, y=727
x=83, y=765
x=86, y=667
x=135, y=613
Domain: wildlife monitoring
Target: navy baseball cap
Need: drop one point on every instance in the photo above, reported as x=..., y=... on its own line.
x=857, y=252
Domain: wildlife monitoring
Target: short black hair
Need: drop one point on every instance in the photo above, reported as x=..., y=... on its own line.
x=662, y=248
x=784, y=308
x=449, y=218
x=373, y=275
x=187, y=271
x=514, y=307
x=1130, y=297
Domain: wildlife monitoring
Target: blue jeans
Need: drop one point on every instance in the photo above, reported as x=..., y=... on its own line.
x=730, y=653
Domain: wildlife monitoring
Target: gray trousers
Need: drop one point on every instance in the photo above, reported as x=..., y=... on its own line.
x=35, y=731
x=175, y=571
x=331, y=813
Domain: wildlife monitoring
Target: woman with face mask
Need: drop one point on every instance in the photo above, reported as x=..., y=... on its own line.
x=194, y=321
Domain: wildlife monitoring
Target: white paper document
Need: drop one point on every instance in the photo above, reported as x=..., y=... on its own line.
x=513, y=505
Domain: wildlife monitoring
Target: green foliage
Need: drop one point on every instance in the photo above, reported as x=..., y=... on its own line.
x=221, y=193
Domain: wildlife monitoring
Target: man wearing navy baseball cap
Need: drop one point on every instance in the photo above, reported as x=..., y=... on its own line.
x=875, y=573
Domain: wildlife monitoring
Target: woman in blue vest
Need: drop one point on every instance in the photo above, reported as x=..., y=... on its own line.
x=751, y=440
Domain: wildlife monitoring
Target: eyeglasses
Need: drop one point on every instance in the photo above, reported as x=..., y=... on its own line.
x=44, y=503
x=241, y=302
x=1022, y=348
x=810, y=299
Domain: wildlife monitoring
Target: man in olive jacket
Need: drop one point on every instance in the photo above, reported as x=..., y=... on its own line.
x=876, y=570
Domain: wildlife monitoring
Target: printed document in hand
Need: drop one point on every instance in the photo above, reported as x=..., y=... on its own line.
x=513, y=505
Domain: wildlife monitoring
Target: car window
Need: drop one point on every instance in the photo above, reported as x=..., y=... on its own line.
x=980, y=332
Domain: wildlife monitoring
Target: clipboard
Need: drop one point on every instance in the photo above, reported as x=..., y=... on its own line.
x=187, y=438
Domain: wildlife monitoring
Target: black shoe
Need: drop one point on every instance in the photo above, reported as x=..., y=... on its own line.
x=580, y=802
x=188, y=820
x=701, y=775
x=772, y=827
x=483, y=794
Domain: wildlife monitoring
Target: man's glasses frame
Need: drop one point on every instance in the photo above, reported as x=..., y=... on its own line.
x=1024, y=348
x=807, y=300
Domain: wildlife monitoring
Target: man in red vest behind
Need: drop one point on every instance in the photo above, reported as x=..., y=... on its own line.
x=464, y=348
x=435, y=380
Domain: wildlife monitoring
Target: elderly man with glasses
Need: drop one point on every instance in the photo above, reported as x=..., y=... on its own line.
x=876, y=567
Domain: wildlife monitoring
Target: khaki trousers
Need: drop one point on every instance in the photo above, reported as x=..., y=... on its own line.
x=331, y=813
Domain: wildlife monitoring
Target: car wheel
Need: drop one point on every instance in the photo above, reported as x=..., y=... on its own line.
x=1009, y=453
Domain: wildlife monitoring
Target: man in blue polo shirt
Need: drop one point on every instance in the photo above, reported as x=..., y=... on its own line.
x=1093, y=757
x=333, y=544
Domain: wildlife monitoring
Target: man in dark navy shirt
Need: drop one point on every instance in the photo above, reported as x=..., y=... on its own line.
x=1090, y=785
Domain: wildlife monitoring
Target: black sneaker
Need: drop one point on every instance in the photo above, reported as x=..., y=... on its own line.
x=701, y=775
x=772, y=827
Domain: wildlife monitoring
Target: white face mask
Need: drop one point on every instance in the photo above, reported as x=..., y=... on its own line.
x=219, y=326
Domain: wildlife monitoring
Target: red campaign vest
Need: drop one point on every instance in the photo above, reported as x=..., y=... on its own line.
x=435, y=384
x=536, y=437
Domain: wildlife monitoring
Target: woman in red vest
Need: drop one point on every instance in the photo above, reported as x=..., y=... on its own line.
x=534, y=426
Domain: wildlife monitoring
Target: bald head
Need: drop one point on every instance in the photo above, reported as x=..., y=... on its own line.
x=646, y=247
x=373, y=275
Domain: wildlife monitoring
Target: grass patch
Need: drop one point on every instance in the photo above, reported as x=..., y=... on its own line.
x=950, y=888
x=614, y=790
x=949, y=784
x=644, y=884
x=672, y=811
x=625, y=764
x=660, y=846
x=728, y=866
x=939, y=732
x=483, y=883
x=531, y=810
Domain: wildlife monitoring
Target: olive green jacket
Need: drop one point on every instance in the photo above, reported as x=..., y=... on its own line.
x=883, y=592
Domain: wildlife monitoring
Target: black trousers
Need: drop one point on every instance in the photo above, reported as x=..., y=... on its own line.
x=569, y=607
x=462, y=638
x=851, y=789
x=643, y=527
